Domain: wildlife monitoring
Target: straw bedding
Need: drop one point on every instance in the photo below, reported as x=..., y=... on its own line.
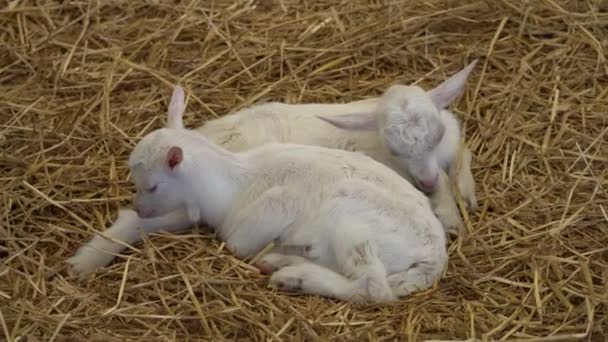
x=81, y=82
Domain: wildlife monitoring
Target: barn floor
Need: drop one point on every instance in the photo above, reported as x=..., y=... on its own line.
x=81, y=82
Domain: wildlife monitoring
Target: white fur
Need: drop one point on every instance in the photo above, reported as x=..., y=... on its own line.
x=364, y=232
x=400, y=120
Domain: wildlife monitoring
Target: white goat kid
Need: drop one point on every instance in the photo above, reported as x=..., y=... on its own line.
x=366, y=233
x=407, y=129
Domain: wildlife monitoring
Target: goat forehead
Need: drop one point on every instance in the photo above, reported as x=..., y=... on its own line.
x=424, y=108
x=408, y=101
x=406, y=92
x=416, y=122
x=149, y=148
x=147, y=176
x=415, y=92
x=141, y=156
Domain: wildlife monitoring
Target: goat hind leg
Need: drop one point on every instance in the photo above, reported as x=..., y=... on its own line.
x=419, y=277
x=357, y=257
x=311, y=278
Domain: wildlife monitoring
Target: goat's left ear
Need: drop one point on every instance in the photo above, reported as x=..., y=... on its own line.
x=177, y=106
x=352, y=121
x=175, y=156
x=445, y=93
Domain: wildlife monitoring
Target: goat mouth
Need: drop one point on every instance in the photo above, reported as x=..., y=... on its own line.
x=427, y=188
x=144, y=213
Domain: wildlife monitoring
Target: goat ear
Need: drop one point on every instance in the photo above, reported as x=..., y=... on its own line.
x=177, y=105
x=175, y=156
x=445, y=93
x=352, y=121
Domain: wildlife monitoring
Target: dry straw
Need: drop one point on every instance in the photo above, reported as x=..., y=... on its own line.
x=81, y=81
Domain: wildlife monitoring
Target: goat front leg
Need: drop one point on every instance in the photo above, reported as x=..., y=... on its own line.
x=259, y=223
x=444, y=205
x=273, y=261
x=465, y=181
x=309, y=278
x=100, y=251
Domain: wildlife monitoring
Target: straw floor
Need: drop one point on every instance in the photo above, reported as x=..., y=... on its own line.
x=81, y=82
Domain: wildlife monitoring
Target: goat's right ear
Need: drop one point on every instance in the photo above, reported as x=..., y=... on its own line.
x=352, y=121
x=175, y=156
x=445, y=93
x=177, y=106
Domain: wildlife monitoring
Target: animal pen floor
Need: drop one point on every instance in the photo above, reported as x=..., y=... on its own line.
x=82, y=81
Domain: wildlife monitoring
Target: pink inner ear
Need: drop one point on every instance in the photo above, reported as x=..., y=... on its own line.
x=174, y=157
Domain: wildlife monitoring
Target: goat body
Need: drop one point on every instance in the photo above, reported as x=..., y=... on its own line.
x=361, y=230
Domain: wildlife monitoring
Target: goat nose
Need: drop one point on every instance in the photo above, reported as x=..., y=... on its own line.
x=428, y=184
x=141, y=212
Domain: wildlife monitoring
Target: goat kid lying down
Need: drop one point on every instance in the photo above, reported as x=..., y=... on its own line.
x=367, y=233
x=407, y=129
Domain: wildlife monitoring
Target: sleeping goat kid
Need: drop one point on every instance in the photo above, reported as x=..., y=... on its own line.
x=362, y=231
x=407, y=129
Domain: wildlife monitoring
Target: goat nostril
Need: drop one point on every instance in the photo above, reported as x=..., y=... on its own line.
x=428, y=185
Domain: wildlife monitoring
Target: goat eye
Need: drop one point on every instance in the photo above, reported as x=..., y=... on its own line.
x=393, y=152
x=151, y=189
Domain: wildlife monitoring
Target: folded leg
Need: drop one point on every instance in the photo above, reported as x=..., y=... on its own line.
x=357, y=258
x=361, y=275
x=310, y=278
x=419, y=277
x=253, y=227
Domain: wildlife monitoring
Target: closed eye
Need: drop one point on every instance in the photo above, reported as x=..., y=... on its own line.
x=152, y=189
x=393, y=152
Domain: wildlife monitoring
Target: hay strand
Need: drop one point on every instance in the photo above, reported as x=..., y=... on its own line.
x=82, y=82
